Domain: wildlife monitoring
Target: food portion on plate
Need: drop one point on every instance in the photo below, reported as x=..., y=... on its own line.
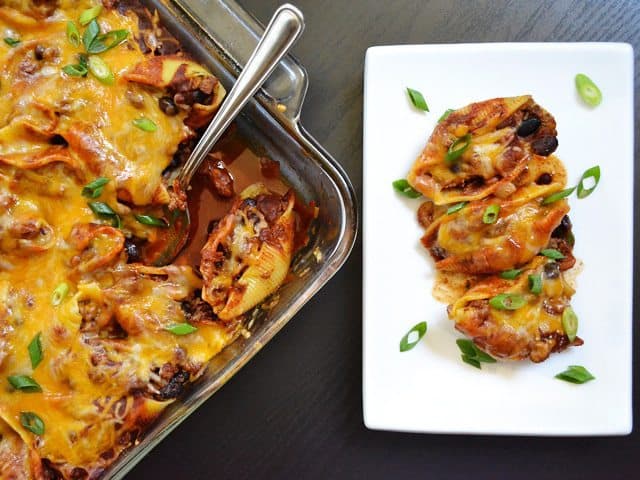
x=481, y=149
x=100, y=107
x=518, y=318
x=471, y=240
x=496, y=224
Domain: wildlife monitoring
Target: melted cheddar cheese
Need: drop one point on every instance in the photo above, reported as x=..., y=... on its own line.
x=493, y=208
x=113, y=352
x=523, y=227
x=39, y=98
x=532, y=331
x=496, y=152
x=248, y=254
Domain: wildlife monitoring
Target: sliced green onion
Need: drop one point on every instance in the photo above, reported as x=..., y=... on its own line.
x=35, y=350
x=152, y=221
x=490, y=214
x=588, y=91
x=181, y=329
x=472, y=354
x=474, y=362
x=145, y=124
x=32, y=422
x=552, y=253
x=94, y=189
x=413, y=336
x=12, y=42
x=402, y=186
x=417, y=99
x=446, y=113
x=483, y=356
x=466, y=347
x=73, y=35
x=576, y=374
x=457, y=148
x=90, y=34
x=583, y=191
x=570, y=323
x=101, y=209
x=89, y=14
x=24, y=383
x=59, y=294
x=454, y=208
x=511, y=274
x=593, y=172
x=107, y=41
x=535, y=284
x=554, y=197
x=508, y=301
x=75, y=70
x=101, y=70
x=470, y=349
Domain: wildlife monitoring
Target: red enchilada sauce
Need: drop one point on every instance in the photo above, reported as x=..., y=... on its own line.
x=207, y=205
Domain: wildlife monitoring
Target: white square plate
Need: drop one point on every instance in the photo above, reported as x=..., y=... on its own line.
x=429, y=389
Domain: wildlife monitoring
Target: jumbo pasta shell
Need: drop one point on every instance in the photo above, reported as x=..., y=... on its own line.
x=462, y=242
x=248, y=254
x=496, y=152
x=533, y=331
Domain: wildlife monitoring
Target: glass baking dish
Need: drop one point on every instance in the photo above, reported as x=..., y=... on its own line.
x=222, y=35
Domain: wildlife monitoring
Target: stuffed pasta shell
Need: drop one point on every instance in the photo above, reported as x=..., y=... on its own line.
x=248, y=253
x=521, y=318
x=190, y=86
x=493, y=234
x=481, y=147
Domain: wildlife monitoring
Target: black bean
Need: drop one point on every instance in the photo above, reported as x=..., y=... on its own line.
x=133, y=251
x=174, y=388
x=249, y=202
x=544, y=179
x=79, y=473
x=563, y=229
x=545, y=146
x=202, y=98
x=528, y=126
x=58, y=140
x=167, y=105
x=552, y=270
x=38, y=52
x=438, y=253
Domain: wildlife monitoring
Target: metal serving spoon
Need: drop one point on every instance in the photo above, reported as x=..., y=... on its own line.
x=283, y=30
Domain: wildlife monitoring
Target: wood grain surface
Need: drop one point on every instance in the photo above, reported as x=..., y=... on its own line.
x=295, y=411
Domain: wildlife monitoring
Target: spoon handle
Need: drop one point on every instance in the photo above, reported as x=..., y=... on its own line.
x=283, y=30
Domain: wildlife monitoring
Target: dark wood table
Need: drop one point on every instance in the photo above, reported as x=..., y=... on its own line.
x=295, y=411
